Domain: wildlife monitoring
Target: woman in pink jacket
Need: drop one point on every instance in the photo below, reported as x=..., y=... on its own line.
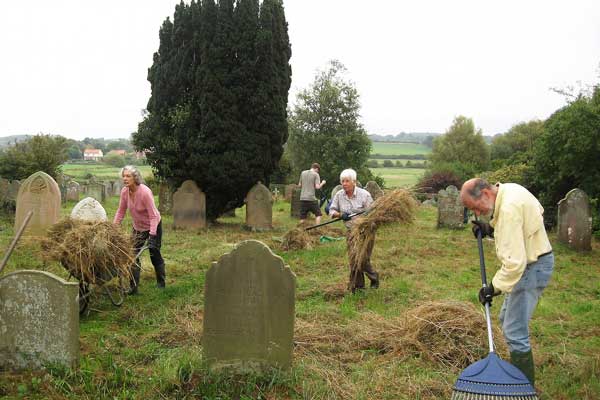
x=147, y=225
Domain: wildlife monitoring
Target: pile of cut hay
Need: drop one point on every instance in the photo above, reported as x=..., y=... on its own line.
x=299, y=238
x=397, y=206
x=92, y=252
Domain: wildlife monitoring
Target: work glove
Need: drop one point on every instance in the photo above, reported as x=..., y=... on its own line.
x=153, y=242
x=346, y=216
x=487, y=293
x=484, y=227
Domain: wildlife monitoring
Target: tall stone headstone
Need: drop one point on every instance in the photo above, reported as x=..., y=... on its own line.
x=289, y=191
x=38, y=193
x=165, y=198
x=189, y=207
x=295, y=206
x=89, y=209
x=450, y=208
x=73, y=191
x=373, y=188
x=259, y=208
x=39, y=320
x=575, y=221
x=96, y=190
x=249, y=310
x=336, y=189
x=108, y=189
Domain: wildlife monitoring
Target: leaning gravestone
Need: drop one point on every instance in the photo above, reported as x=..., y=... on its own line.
x=189, y=207
x=575, y=221
x=295, y=206
x=450, y=208
x=249, y=310
x=96, y=190
x=39, y=320
x=73, y=191
x=373, y=188
x=165, y=198
x=38, y=193
x=89, y=209
x=289, y=191
x=335, y=190
x=259, y=208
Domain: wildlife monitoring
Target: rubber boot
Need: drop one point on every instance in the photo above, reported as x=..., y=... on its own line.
x=524, y=361
x=160, y=275
x=135, y=279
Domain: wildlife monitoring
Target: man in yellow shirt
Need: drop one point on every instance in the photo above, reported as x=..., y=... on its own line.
x=523, y=248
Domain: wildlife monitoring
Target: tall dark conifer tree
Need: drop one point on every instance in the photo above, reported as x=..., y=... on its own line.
x=217, y=113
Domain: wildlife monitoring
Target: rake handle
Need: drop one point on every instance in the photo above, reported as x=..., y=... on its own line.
x=15, y=240
x=488, y=318
x=334, y=220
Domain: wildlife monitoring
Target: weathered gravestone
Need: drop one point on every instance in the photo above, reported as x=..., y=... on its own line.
x=336, y=189
x=89, y=209
x=249, y=310
x=373, y=188
x=3, y=189
x=450, y=208
x=117, y=187
x=575, y=221
x=189, y=207
x=39, y=320
x=38, y=193
x=96, y=190
x=259, y=208
x=73, y=191
x=289, y=191
x=165, y=198
x=108, y=189
x=295, y=206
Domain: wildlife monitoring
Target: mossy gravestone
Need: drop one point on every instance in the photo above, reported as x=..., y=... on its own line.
x=259, y=208
x=38, y=193
x=249, y=310
x=450, y=209
x=295, y=206
x=39, y=320
x=189, y=207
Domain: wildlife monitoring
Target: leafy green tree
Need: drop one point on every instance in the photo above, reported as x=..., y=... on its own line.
x=218, y=110
x=115, y=160
x=388, y=163
x=373, y=164
x=462, y=149
x=568, y=152
x=517, y=145
x=40, y=153
x=325, y=127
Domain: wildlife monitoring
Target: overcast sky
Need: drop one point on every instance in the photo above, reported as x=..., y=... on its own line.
x=78, y=68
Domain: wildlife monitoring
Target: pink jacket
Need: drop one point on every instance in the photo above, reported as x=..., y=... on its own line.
x=143, y=212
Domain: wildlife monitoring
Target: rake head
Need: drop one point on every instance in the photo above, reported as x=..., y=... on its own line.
x=493, y=378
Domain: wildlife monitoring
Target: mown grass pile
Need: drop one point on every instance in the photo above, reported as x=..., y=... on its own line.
x=92, y=252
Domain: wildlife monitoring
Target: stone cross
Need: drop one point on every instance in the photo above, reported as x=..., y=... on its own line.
x=259, y=208
x=38, y=193
x=89, y=209
x=575, y=221
x=450, y=209
x=189, y=207
x=249, y=301
x=39, y=320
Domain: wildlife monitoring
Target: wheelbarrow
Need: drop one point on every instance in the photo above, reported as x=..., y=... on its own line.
x=115, y=293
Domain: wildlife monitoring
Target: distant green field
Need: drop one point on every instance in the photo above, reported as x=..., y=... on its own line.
x=100, y=171
x=399, y=177
x=399, y=148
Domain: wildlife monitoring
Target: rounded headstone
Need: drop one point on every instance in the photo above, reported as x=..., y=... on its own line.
x=89, y=209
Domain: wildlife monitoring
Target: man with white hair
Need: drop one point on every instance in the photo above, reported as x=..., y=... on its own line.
x=351, y=200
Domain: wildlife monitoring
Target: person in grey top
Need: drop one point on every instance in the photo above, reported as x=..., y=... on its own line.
x=350, y=200
x=309, y=182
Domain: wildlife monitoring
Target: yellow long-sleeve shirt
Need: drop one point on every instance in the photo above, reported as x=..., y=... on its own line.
x=519, y=233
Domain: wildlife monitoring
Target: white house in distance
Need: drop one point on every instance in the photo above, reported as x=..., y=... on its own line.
x=92, y=154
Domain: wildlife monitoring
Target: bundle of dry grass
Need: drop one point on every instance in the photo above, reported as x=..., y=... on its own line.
x=396, y=206
x=93, y=252
x=296, y=239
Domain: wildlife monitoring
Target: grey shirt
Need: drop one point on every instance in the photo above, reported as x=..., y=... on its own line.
x=308, y=180
x=359, y=201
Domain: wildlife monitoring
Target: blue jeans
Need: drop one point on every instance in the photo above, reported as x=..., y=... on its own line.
x=519, y=304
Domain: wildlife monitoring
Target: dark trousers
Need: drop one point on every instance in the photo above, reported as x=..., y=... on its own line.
x=358, y=272
x=139, y=239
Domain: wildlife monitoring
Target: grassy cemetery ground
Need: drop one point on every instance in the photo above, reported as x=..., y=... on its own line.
x=151, y=347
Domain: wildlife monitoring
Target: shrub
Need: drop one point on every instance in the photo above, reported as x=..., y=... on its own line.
x=433, y=182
